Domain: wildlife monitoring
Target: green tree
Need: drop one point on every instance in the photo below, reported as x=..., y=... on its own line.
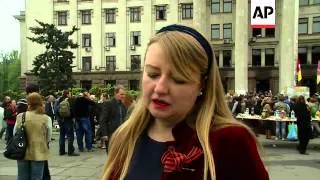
x=10, y=71
x=53, y=68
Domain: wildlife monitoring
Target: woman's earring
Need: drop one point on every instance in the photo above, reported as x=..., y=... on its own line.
x=200, y=94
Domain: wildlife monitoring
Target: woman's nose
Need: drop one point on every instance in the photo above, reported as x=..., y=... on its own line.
x=162, y=86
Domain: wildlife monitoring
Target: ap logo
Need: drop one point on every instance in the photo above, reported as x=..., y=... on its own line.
x=263, y=13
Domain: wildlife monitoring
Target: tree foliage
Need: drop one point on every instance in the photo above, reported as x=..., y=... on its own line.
x=10, y=69
x=53, y=68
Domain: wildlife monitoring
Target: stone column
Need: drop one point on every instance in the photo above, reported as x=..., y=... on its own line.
x=309, y=55
x=200, y=17
x=220, y=58
x=263, y=57
x=288, y=43
x=241, y=46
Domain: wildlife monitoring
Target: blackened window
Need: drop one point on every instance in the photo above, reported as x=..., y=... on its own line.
x=135, y=38
x=303, y=26
x=227, y=31
x=216, y=55
x=215, y=31
x=187, y=11
x=111, y=82
x=303, y=2
x=256, y=32
x=135, y=62
x=111, y=63
x=256, y=57
x=110, y=39
x=227, y=5
x=86, y=84
x=270, y=32
x=86, y=40
x=134, y=84
x=86, y=63
x=302, y=53
x=227, y=58
x=315, y=54
x=269, y=57
x=86, y=16
x=135, y=14
x=161, y=13
x=110, y=15
x=215, y=6
x=62, y=18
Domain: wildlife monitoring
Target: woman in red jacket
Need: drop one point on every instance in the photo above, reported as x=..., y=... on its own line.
x=181, y=127
x=10, y=114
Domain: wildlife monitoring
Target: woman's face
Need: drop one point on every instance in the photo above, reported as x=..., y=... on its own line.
x=167, y=97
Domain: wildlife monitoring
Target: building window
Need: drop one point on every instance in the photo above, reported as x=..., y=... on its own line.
x=86, y=84
x=111, y=63
x=135, y=14
x=187, y=11
x=316, y=24
x=110, y=15
x=111, y=82
x=303, y=26
x=86, y=63
x=227, y=5
x=227, y=31
x=215, y=6
x=302, y=54
x=161, y=13
x=215, y=31
x=86, y=40
x=86, y=16
x=227, y=58
x=315, y=54
x=256, y=32
x=270, y=32
x=256, y=57
x=111, y=39
x=134, y=84
x=135, y=38
x=303, y=2
x=62, y=18
x=135, y=62
x=269, y=57
x=316, y=1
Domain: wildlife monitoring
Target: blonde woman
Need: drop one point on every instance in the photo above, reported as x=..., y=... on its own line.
x=38, y=130
x=181, y=127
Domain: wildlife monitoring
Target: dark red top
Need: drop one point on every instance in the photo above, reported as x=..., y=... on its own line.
x=234, y=150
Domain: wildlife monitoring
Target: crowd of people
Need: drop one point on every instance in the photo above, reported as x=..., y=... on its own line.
x=266, y=104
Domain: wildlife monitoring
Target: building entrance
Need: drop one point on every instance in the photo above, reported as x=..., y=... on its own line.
x=262, y=85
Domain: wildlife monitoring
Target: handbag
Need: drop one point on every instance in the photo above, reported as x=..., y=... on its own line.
x=17, y=145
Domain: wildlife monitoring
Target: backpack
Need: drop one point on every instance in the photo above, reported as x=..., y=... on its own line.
x=64, y=108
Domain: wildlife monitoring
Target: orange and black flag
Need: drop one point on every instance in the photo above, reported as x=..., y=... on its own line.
x=298, y=71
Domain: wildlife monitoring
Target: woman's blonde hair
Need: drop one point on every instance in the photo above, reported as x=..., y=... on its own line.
x=35, y=103
x=186, y=57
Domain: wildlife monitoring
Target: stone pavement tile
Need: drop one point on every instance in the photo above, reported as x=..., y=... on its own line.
x=80, y=172
x=293, y=173
x=77, y=178
x=9, y=171
x=59, y=177
x=56, y=171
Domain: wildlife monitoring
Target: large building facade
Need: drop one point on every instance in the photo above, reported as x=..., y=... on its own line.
x=114, y=34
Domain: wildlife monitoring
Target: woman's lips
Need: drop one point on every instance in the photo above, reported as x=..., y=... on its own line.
x=158, y=104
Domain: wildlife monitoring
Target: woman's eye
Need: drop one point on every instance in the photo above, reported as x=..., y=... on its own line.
x=178, y=81
x=153, y=75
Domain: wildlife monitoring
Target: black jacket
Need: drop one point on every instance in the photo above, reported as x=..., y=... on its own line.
x=50, y=110
x=82, y=107
x=110, y=117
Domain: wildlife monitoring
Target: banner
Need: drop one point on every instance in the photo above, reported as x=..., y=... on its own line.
x=263, y=14
x=318, y=73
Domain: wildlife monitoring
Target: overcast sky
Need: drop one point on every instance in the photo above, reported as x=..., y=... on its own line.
x=9, y=26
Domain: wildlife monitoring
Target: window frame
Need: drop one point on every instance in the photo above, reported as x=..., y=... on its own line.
x=315, y=20
x=303, y=60
x=269, y=54
x=163, y=9
x=215, y=29
x=227, y=28
x=187, y=7
x=134, y=34
x=227, y=2
x=217, y=3
x=302, y=22
x=304, y=4
x=110, y=14
x=132, y=63
x=62, y=18
x=86, y=13
x=110, y=37
x=85, y=37
x=135, y=14
x=89, y=59
x=224, y=53
x=253, y=62
x=111, y=63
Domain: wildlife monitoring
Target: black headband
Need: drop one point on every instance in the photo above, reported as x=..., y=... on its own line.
x=202, y=40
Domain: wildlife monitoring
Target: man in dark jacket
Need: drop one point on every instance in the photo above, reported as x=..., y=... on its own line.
x=113, y=113
x=83, y=125
x=66, y=126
